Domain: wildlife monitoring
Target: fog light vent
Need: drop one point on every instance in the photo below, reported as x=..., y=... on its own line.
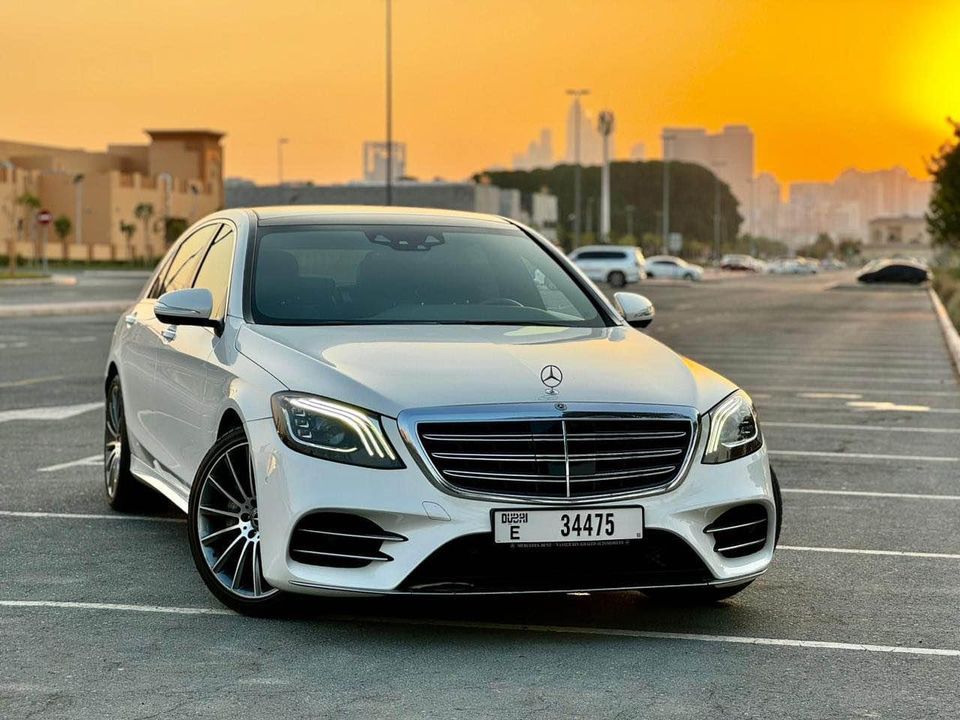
x=740, y=531
x=340, y=540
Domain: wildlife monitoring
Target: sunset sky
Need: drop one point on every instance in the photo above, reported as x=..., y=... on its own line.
x=825, y=85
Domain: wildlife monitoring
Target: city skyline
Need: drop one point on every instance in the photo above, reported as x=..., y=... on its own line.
x=824, y=85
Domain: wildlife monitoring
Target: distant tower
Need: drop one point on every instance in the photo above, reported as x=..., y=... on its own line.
x=605, y=128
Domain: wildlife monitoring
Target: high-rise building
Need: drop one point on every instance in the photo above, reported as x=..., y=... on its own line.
x=729, y=154
x=766, y=206
x=539, y=153
x=375, y=161
x=591, y=141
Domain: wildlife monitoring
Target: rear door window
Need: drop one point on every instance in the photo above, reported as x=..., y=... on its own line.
x=182, y=268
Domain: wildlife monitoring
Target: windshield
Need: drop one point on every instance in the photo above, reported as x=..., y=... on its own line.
x=412, y=274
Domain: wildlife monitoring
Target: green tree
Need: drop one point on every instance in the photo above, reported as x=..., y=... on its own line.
x=943, y=216
x=127, y=230
x=638, y=186
x=848, y=248
x=143, y=212
x=820, y=248
x=30, y=204
x=62, y=227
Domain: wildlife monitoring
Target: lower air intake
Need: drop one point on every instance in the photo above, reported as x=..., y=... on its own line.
x=340, y=540
x=740, y=531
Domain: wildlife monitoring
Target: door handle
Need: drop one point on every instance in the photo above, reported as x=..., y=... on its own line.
x=169, y=333
x=130, y=319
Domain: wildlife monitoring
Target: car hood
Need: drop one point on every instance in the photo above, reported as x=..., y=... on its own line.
x=390, y=368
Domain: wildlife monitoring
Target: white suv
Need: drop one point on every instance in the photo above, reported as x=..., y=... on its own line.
x=614, y=264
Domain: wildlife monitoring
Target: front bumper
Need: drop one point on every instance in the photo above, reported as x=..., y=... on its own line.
x=291, y=485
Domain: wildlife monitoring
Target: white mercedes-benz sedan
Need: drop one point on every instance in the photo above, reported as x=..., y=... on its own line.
x=396, y=401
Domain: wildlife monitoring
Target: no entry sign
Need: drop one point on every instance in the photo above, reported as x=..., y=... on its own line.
x=44, y=217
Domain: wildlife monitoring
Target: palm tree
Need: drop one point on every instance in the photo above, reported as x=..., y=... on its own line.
x=144, y=211
x=31, y=203
x=62, y=226
x=127, y=230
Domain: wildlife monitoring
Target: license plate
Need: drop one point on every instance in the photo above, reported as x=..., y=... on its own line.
x=567, y=526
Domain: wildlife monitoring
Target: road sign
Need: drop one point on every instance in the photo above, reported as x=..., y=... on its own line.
x=675, y=242
x=44, y=217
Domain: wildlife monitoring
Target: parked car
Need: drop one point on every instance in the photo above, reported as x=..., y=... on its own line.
x=741, y=263
x=792, y=266
x=831, y=264
x=397, y=401
x=613, y=264
x=669, y=266
x=894, y=271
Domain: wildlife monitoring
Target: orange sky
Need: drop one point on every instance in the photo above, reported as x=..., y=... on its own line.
x=825, y=84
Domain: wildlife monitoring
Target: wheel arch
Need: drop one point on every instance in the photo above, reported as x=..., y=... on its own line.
x=229, y=420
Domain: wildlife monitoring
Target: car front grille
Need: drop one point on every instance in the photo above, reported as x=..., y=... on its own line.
x=560, y=457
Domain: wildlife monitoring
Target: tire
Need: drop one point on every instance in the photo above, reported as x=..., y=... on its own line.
x=712, y=594
x=689, y=277
x=224, y=529
x=124, y=492
x=617, y=279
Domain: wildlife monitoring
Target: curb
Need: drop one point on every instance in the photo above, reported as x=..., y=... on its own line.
x=79, y=308
x=50, y=280
x=950, y=334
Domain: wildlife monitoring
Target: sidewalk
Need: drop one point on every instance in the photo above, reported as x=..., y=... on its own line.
x=89, y=307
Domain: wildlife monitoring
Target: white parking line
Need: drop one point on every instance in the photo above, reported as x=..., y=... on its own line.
x=867, y=493
x=91, y=460
x=862, y=456
x=868, y=428
x=505, y=627
x=87, y=516
x=856, y=407
x=858, y=392
x=58, y=412
x=31, y=381
x=857, y=551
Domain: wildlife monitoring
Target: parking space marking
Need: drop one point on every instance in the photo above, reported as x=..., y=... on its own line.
x=31, y=381
x=868, y=428
x=506, y=627
x=862, y=456
x=856, y=406
x=854, y=392
x=87, y=461
x=858, y=551
x=57, y=412
x=88, y=516
x=868, y=493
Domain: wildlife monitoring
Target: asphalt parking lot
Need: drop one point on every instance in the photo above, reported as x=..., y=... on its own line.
x=103, y=616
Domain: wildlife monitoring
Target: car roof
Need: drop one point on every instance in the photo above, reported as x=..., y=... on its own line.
x=606, y=247
x=374, y=214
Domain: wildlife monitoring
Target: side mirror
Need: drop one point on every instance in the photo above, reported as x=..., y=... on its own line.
x=636, y=309
x=191, y=306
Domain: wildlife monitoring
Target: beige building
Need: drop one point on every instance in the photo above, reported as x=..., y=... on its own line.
x=179, y=175
x=898, y=236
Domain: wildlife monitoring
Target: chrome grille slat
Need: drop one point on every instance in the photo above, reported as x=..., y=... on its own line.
x=562, y=456
x=573, y=457
x=362, y=536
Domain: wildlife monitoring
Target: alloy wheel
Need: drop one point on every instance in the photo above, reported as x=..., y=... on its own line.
x=228, y=523
x=113, y=440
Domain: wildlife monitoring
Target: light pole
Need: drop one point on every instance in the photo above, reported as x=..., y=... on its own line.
x=665, y=213
x=577, y=94
x=389, y=47
x=716, y=165
x=78, y=186
x=605, y=126
x=280, y=143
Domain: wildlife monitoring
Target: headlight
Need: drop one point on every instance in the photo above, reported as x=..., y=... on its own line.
x=734, y=431
x=332, y=431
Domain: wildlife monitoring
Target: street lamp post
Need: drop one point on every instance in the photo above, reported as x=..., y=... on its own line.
x=605, y=127
x=577, y=94
x=389, y=47
x=665, y=213
x=280, y=143
x=78, y=186
x=717, y=164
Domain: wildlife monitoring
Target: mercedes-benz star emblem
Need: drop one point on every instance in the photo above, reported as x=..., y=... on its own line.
x=551, y=377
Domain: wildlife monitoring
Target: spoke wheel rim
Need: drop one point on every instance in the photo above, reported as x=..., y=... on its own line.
x=228, y=524
x=113, y=440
